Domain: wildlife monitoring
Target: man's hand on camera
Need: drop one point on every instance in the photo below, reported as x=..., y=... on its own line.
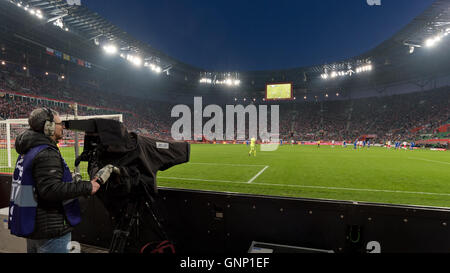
x=104, y=173
x=76, y=177
x=95, y=185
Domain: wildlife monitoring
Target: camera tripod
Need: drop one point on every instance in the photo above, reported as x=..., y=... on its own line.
x=131, y=221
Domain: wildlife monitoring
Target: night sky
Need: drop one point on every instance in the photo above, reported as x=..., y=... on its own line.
x=242, y=35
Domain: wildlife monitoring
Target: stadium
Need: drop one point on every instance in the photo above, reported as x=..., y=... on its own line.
x=361, y=158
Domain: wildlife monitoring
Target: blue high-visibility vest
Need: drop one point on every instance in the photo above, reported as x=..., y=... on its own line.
x=23, y=202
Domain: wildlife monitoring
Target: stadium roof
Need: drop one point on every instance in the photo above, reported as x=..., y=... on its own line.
x=434, y=20
x=92, y=26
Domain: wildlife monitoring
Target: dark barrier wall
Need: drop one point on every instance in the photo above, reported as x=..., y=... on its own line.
x=211, y=222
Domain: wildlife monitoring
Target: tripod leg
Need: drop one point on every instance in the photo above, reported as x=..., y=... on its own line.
x=160, y=228
x=118, y=241
x=120, y=236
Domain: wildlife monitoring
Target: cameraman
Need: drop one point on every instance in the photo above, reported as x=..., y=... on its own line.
x=44, y=208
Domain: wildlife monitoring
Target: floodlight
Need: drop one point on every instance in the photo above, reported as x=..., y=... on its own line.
x=134, y=60
x=110, y=49
x=137, y=61
x=430, y=42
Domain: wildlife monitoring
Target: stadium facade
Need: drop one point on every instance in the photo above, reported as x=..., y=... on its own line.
x=401, y=64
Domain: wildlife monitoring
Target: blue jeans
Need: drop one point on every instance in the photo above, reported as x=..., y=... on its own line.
x=54, y=245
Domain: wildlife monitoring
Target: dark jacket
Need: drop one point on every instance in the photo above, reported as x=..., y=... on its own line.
x=50, y=190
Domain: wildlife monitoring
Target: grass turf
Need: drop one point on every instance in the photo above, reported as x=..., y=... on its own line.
x=380, y=175
x=419, y=177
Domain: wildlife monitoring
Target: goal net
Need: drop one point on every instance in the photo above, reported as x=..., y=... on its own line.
x=11, y=128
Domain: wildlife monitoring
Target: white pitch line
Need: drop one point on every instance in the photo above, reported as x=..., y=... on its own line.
x=197, y=179
x=442, y=162
x=311, y=187
x=258, y=174
x=226, y=164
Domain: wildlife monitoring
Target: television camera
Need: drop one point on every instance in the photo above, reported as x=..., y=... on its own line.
x=130, y=192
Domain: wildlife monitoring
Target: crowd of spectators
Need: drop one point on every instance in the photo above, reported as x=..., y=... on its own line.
x=399, y=117
x=31, y=91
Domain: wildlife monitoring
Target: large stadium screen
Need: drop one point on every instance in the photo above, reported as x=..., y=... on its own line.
x=279, y=91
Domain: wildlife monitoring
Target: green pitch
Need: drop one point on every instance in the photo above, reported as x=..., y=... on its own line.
x=68, y=154
x=420, y=177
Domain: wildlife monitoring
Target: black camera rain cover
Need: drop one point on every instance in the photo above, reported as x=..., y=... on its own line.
x=139, y=158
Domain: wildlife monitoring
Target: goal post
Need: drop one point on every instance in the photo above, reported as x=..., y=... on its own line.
x=11, y=128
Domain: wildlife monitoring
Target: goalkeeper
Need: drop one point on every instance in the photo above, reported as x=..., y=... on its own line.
x=252, y=147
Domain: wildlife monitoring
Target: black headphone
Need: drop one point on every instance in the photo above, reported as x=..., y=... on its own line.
x=49, y=126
